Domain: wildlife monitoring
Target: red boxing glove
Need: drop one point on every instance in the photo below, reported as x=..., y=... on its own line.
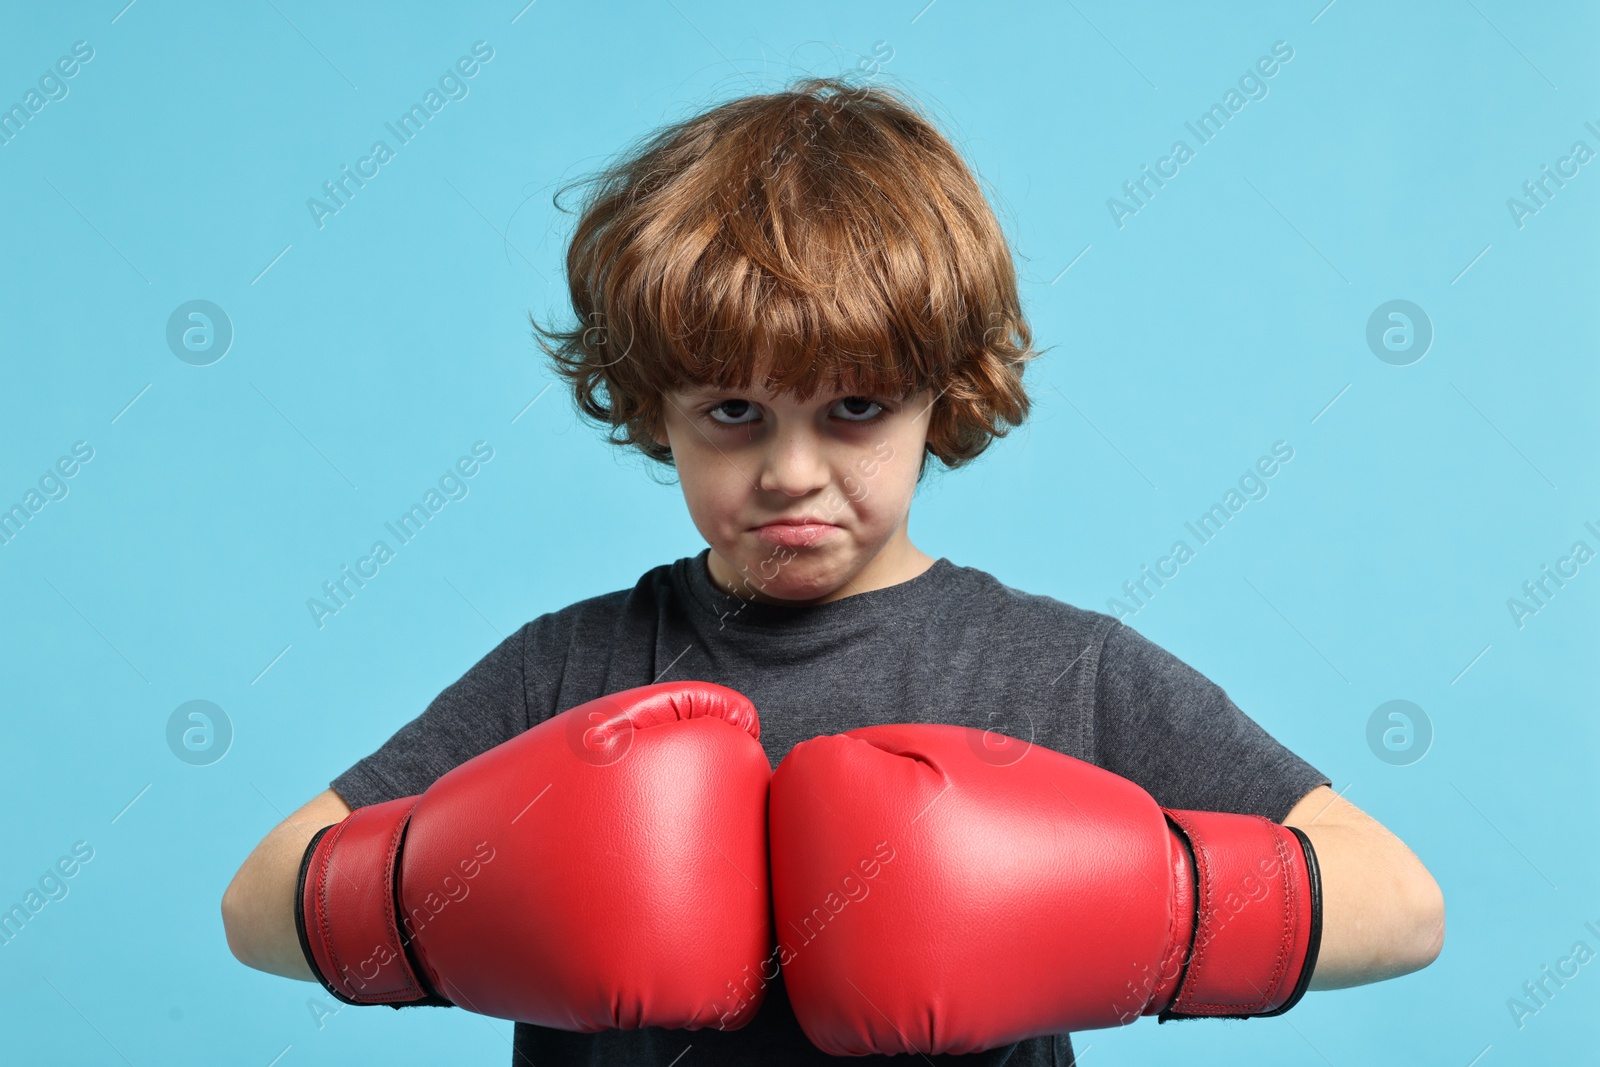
x=936, y=894
x=605, y=869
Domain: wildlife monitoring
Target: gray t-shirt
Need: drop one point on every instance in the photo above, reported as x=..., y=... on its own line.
x=952, y=645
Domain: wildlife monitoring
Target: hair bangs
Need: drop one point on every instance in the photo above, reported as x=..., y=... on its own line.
x=823, y=239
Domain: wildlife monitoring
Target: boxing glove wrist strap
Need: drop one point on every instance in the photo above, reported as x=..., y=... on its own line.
x=1257, y=917
x=346, y=910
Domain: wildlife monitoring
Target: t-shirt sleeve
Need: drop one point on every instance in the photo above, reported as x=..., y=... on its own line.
x=499, y=697
x=1169, y=728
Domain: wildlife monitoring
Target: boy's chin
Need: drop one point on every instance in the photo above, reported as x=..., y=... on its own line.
x=809, y=573
x=801, y=590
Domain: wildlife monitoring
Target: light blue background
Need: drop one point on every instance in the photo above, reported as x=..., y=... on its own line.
x=1226, y=315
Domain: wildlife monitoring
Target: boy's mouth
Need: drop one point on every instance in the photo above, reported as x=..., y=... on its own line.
x=801, y=532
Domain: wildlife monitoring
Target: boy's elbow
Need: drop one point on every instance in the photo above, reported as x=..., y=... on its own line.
x=235, y=924
x=1427, y=923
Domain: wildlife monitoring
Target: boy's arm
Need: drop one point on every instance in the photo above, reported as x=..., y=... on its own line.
x=259, y=904
x=1382, y=912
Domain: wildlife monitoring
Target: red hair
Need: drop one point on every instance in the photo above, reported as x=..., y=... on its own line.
x=828, y=233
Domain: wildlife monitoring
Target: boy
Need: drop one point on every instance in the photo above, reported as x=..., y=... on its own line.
x=795, y=300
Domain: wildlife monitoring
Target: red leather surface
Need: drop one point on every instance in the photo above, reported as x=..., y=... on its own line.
x=1255, y=914
x=1170, y=971
x=605, y=869
x=934, y=896
x=1021, y=897
x=348, y=906
x=628, y=880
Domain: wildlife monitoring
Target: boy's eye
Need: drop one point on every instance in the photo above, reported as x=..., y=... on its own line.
x=743, y=412
x=858, y=409
x=735, y=409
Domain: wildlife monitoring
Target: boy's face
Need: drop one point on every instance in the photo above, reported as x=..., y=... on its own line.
x=748, y=460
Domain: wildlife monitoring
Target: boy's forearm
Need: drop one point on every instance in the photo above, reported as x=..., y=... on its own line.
x=1382, y=912
x=258, y=907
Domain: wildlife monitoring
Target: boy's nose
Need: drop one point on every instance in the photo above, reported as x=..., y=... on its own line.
x=793, y=464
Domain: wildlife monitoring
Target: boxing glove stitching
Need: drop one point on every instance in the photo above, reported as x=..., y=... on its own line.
x=300, y=915
x=320, y=891
x=1182, y=952
x=319, y=894
x=1287, y=921
x=1288, y=924
x=391, y=879
x=424, y=982
x=1280, y=959
x=1200, y=951
x=1314, y=936
x=320, y=881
